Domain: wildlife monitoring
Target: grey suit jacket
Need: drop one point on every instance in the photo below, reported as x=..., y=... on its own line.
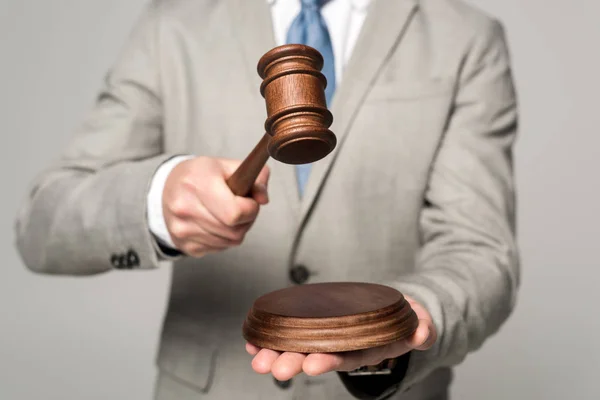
x=418, y=194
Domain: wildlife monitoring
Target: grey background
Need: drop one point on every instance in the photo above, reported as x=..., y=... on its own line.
x=95, y=338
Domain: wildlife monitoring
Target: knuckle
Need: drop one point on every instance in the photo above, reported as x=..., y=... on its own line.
x=189, y=166
x=250, y=214
x=178, y=207
x=225, y=243
x=236, y=241
x=311, y=370
x=238, y=236
x=233, y=216
x=181, y=172
x=188, y=183
x=178, y=230
x=217, y=242
x=193, y=249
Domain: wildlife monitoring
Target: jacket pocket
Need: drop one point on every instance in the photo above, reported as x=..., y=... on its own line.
x=188, y=353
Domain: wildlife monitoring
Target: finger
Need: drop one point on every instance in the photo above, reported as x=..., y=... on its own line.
x=195, y=241
x=287, y=366
x=188, y=218
x=353, y=360
x=421, y=312
x=394, y=350
x=260, y=191
x=215, y=227
x=426, y=334
x=229, y=165
x=263, y=361
x=181, y=203
x=208, y=222
x=181, y=233
x=263, y=176
x=198, y=250
x=321, y=363
x=230, y=210
x=260, y=194
x=214, y=195
x=192, y=238
x=252, y=349
x=424, y=337
x=245, y=212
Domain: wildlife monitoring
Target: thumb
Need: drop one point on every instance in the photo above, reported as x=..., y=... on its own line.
x=228, y=166
x=426, y=333
x=260, y=188
x=424, y=337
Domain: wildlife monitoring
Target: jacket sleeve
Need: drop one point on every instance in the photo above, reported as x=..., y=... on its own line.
x=467, y=272
x=86, y=214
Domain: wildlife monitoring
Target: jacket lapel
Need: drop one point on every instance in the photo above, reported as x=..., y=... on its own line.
x=253, y=30
x=382, y=30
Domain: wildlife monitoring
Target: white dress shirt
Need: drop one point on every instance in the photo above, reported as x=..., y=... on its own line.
x=344, y=19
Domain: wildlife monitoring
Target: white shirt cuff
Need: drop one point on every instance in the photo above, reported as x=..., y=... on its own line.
x=156, y=219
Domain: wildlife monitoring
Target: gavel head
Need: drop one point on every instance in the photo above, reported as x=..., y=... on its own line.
x=297, y=116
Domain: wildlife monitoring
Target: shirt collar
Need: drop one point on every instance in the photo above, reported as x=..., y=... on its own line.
x=357, y=4
x=360, y=5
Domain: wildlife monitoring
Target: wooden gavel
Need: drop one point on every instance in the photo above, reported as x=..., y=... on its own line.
x=321, y=317
x=298, y=121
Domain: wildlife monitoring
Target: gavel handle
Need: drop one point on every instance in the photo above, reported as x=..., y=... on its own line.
x=243, y=178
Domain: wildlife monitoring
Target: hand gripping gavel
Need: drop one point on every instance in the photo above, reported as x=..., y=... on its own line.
x=321, y=317
x=298, y=121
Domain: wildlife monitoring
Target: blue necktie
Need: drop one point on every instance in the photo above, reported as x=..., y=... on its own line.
x=309, y=28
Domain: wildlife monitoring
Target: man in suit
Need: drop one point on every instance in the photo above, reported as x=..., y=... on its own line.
x=418, y=193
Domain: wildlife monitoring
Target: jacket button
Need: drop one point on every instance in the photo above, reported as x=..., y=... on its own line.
x=123, y=264
x=115, y=261
x=283, y=384
x=133, y=260
x=299, y=274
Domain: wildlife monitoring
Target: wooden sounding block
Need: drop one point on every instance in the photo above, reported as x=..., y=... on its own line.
x=329, y=317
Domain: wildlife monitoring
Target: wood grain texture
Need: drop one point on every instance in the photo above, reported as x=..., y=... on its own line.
x=298, y=121
x=329, y=317
x=297, y=115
